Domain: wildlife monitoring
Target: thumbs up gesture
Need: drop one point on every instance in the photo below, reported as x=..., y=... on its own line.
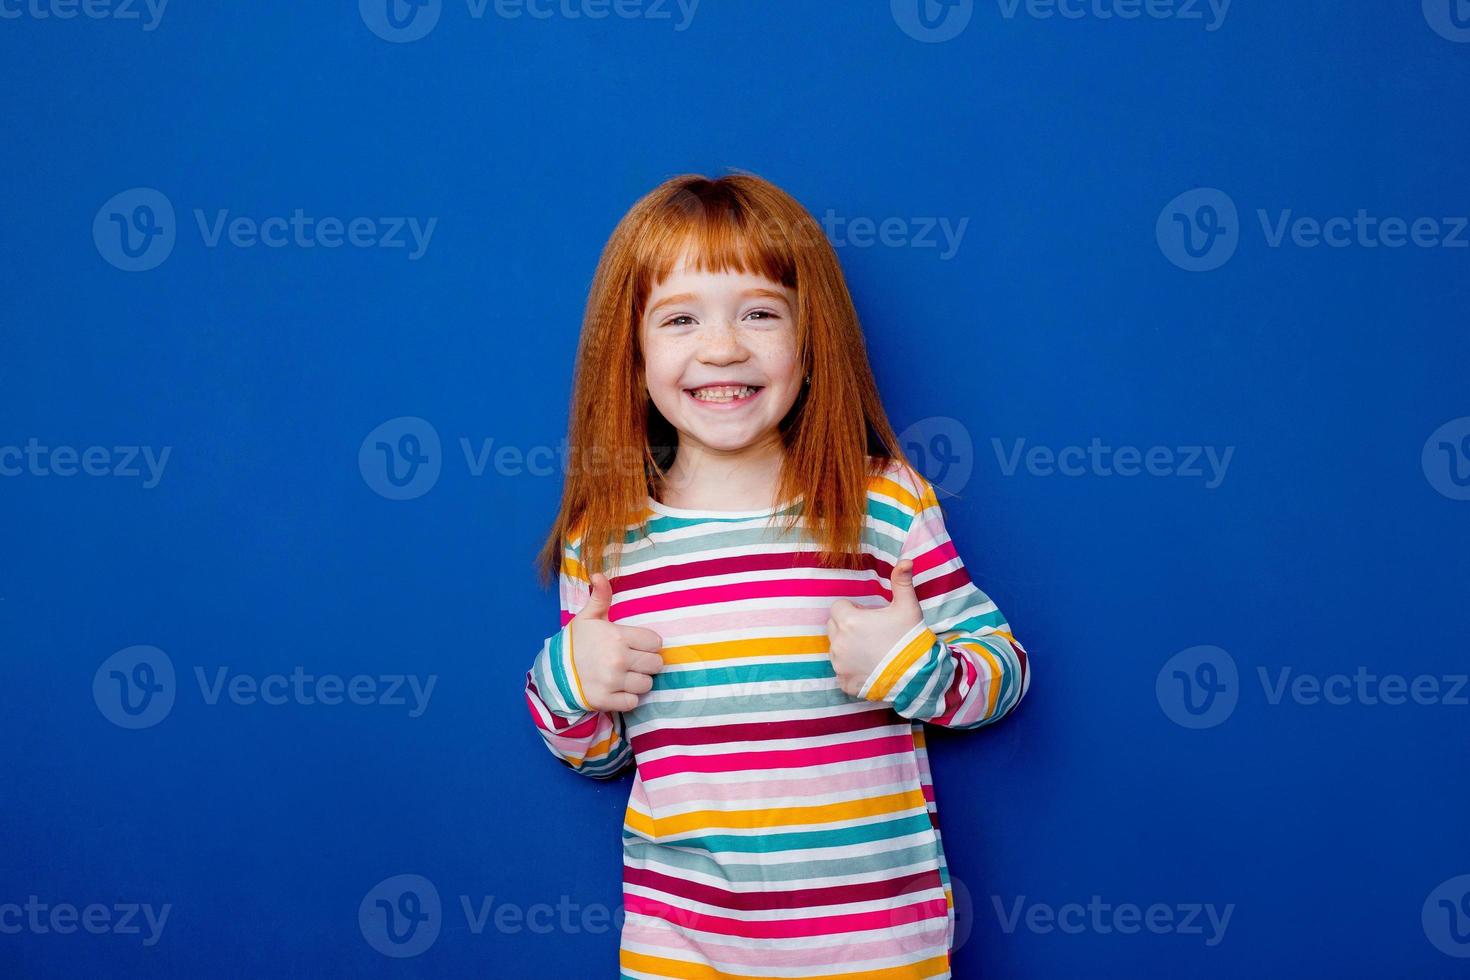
x=615, y=663
x=858, y=637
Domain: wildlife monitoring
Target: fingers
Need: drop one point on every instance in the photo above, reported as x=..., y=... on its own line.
x=638, y=638
x=644, y=662
x=620, y=701
x=636, y=683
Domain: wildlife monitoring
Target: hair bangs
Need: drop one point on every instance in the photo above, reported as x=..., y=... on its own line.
x=712, y=228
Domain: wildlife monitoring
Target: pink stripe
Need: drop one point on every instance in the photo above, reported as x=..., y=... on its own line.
x=789, y=927
x=779, y=759
x=737, y=591
x=799, y=621
x=810, y=785
x=849, y=954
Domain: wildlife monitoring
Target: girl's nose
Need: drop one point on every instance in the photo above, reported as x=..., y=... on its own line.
x=722, y=344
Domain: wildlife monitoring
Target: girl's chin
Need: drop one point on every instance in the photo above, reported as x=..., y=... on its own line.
x=724, y=438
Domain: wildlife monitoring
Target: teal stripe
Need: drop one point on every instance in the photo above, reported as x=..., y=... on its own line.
x=889, y=514
x=672, y=860
x=738, y=674
x=558, y=669
x=929, y=663
x=974, y=624
x=804, y=839
x=668, y=522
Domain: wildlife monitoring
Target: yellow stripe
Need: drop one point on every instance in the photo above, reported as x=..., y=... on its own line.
x=573, y=569
x=916, y=648
x=606, y=745
x=780, y=817
x=658, y=966
x=733, y=649
x=576, y=678
x=898, y=491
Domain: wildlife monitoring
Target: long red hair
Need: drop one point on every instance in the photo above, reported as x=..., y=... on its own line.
x=620, y=446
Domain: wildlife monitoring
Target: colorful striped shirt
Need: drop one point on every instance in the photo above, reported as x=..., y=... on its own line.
x=777, y=826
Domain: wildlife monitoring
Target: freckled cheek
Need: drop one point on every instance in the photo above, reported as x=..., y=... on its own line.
x=664, y=363
x=777, y=358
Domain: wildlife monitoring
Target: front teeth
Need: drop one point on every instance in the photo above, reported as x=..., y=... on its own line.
x=723, y=393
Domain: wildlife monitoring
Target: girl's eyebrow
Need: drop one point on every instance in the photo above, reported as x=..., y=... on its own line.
x=670, y=300
x=686, y=297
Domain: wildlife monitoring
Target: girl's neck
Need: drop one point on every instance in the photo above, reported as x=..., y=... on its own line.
x=701, y=479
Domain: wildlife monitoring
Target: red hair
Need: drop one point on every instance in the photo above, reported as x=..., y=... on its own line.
x=836, y=435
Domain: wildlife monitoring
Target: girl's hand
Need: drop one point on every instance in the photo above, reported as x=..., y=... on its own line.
x=614, y=663
x=858, y=637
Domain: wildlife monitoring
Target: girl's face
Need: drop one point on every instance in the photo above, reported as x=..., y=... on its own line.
x=719, y=350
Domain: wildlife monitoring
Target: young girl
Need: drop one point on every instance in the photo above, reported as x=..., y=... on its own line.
x=760, y=606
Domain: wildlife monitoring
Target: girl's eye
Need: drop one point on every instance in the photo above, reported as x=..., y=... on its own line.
x=764, y=314
x=673, y=320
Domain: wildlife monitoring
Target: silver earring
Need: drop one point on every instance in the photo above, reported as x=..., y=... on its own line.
x=808, y=380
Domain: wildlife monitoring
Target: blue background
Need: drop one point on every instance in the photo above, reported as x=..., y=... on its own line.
x=263, y=547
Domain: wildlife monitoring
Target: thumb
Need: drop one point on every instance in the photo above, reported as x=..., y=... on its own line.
x=903, y=584
x=600, y=601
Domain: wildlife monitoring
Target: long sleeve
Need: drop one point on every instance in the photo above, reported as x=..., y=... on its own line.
x=593, y=743
x=960, y=667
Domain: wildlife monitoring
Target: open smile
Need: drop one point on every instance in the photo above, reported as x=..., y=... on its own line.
x=724, y=397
